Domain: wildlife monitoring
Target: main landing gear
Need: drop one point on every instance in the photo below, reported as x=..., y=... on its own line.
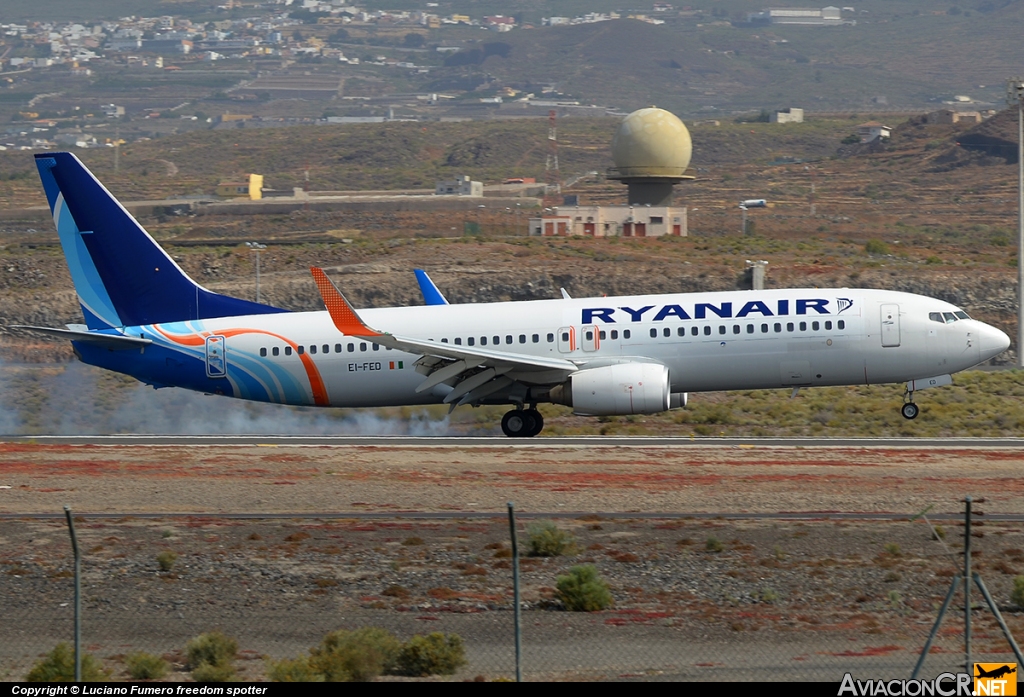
x=522, y=423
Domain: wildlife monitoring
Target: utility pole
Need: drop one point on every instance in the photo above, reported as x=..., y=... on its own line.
x=257, y=247
x=1015, y=95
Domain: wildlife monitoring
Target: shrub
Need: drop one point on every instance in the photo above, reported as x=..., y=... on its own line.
x=433, y=654
x=146, y=666
x=547, y=540
x=583, y=590
x=298, y=670
x=59, y=666
x=876, y=247
x=713, y=544
x=358, y=656
x=209, y=657
x=166, y=560
x=1017, y=594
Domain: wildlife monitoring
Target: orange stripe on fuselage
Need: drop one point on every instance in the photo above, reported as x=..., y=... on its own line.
x=316, y=381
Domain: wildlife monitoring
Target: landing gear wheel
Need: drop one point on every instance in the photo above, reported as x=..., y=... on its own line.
x=910, y=410
x=538, y=422
x=517, y=423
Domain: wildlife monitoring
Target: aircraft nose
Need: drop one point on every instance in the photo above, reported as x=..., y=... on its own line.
x=992, y=341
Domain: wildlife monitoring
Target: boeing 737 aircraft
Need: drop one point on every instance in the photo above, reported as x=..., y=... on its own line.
x=601, y=356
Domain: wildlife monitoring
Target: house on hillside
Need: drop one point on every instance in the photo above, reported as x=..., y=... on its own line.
x=950, y=116
x=788, y=115
x=872, y=131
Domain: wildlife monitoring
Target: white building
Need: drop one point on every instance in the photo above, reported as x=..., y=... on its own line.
x=790, y=115
x=460, y=186
x=611, y=221
x=826, y=16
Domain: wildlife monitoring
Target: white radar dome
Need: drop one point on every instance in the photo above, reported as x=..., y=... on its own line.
x=652, y=142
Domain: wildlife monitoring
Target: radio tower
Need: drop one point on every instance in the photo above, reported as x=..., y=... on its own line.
x=553, y=175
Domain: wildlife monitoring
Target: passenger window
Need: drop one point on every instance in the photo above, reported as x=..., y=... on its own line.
x=536, y=338
x=522, y=338
x=935, y=317
x=471, y=341
x=750, y=329
x=276, y=351
x=312, y=349
x=352, y=347
x=950, y=317
x=443, y=341
x=707, y=330
x=626, y=334
x=551, y=338
x=337, y=348
x=287, y=350
x=565, y=336
x=803, y=326
x=590, y=335
x=764, y=328
x=814, y=326
x=601, y=334
x=263, y=352
x=828, y=324
x=508, y=338
x=777, y=327
x=681, y=331
x=789, y=326
x=458, y=341
x=841, y=324
x=615, y=333
x=666, y=332
x=300, y=349
x=694, y=331
x=721, y=329
x=362, y=346
x=735, y=329
x=654, y=333
x=327, y=348
x=483, y=341
x=496, y=340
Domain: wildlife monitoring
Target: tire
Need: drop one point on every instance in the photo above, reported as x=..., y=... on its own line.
x=517, y=423
x=538, y=422
x=910, y=410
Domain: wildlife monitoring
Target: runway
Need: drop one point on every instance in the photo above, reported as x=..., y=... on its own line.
x=502, y=442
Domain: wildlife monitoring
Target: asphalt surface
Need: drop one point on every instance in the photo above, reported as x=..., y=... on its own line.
x=500, y=441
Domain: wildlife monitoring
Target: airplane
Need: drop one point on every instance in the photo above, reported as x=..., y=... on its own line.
x=640, y=354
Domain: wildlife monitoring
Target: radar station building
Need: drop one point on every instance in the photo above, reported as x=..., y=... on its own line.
x=651, y=150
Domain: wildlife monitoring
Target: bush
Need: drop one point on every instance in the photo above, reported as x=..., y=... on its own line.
x=547, y=540
x=355, y=656
x=209, y=657
x=713, y=544
x=59, y=666
x=146, y=666
x=298, y=670
x=876, y=247
x=583, y=590
x=166, y=560
x=1017, y=594
x=433, y=654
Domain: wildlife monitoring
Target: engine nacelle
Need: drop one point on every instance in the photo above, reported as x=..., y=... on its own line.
x=616, y=390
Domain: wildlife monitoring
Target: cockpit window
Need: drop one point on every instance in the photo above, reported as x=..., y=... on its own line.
x=949, y=317
x=961, y=314
x=936, y=317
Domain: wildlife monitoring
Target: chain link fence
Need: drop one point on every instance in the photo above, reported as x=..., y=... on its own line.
x=693, y=600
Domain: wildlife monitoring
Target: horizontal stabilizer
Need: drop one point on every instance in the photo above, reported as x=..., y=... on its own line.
x=111, y=341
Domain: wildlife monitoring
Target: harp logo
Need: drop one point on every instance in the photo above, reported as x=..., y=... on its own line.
x=844, y=304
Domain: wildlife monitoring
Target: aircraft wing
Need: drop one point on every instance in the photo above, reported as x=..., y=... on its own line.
x=473, y=372
x=111, y=341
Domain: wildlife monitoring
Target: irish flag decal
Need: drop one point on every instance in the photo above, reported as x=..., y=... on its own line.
x=400, y=365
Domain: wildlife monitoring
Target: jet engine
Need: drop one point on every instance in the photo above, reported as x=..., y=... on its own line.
x=621, y=389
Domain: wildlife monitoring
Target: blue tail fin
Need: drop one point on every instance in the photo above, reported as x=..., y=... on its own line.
x=122, y=276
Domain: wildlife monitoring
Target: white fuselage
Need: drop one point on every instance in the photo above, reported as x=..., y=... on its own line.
x=708, y=341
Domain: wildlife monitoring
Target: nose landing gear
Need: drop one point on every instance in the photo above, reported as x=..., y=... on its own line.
x=522, y=423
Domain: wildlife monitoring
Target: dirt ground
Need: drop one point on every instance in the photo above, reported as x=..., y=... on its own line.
x=700, y=599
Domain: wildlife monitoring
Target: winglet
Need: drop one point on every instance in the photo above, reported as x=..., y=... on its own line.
x=431, y=294
x=345, y=318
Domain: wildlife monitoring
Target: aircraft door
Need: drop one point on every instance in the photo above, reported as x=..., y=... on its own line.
x=890, y=325
x=567, y=339
x=591, y=337
x=216, y=357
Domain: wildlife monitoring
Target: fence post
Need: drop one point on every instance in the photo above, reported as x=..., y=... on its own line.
x=78, y=595
x=967, y=587
x=515, y=590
